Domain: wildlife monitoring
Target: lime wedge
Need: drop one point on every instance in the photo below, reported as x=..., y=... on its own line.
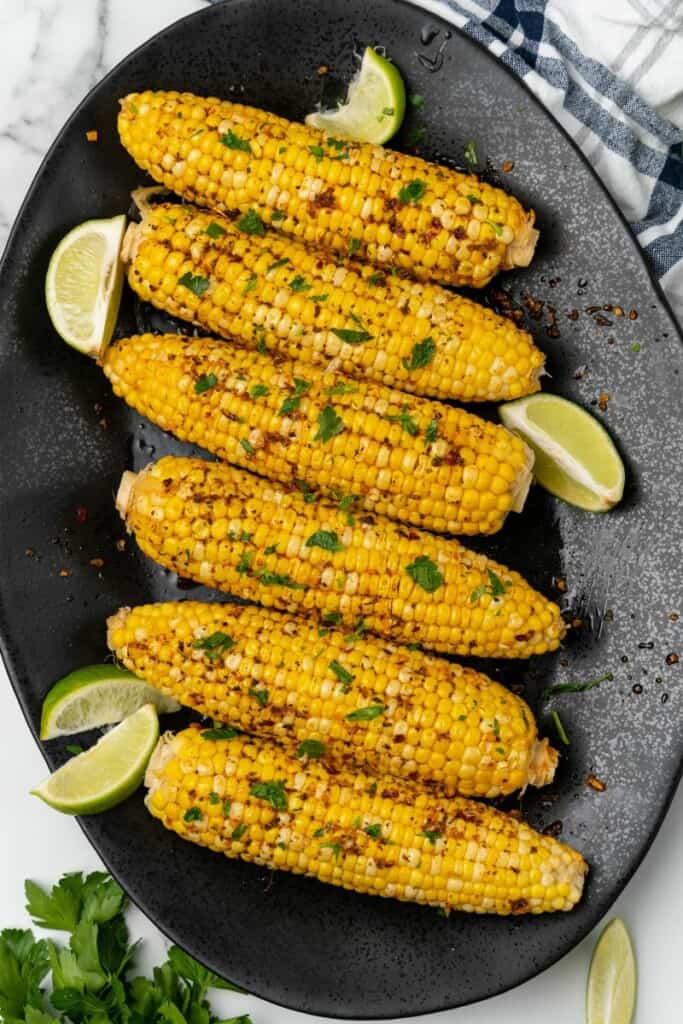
x=94, y=696
x=575, y=457
x=83, y=284
x=109, y=772
x=611, y=990
x=374, y=107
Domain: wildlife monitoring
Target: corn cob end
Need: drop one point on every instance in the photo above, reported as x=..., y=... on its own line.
x=543, y=764
x=124, y=493
x=520, y=251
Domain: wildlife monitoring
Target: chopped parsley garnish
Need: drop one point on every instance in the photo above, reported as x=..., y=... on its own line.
x=416, y=101
x=366, y=714
x=319, y=298
x=251, y=223
x=358, y=631
x=278, y=263
x=238, y=832
x=244, y=564
x=553, y=691
x=405, y=420
x=336, y=143
x=74, y=748
x=277, y=215
x=215, y=230
x=300, y=284
x=260, y=696
x=346, y=503
x=431, y=834
x=309, y=495
x=413, y=192
x=495, y=725
x=329, y=425
x=561, y=731
x=227, y=804
x=341, y=389
x=374, y=831
x=317, y=152
x=495, y=587
x=475, y=201
x=325, y=539
x=273, y=792
x=233, y=141
x=205, y=383
x=421, y=356
x=195, y=282
x=271, y=549
x=248, y=446
x=332, y=618
x=343, y=675
x=192, y=814
x=351, y=337
x=415, y=135
x=259, y=391
x=292, y=402
x=375, y=278
x=425, y=573
x=635, y=348
x=496, y=227
x=335, y=847
x=214, y=798
x=471, y=154
x=214, y=646
x=311, y=748
x=223, y=732
x=432, y=432
x=250, y=285
x=354, y=246
x=275, y=579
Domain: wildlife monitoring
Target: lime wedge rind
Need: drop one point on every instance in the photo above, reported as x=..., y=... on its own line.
x=612, y=977
x=107, y=773
x=84, y=282
x=558, y=469
x=375, y=103
x=95, y=696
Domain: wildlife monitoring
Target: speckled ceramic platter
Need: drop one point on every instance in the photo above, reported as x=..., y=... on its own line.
x=65, y=441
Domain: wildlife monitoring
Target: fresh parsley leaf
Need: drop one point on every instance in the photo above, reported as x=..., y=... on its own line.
x=416, y=101
x=278, y=215
x=278, y=263
x=74, y=748
x=192, y=814
x=215, y=230
x=195, y=282
x=376, y=278
x=244, y=564
x=425, y=573
x=247, y=446
x=343, y=675
x=329, y=425
x=346, y=503
x=471, y=154
x=61, y=908
x=259, y=695
x=259, y=391
x=341, y=389
x=554, y=691
x=273, y=792
x=332, y=618
x=223, y=732
x=354, y=246
x=300, y=284
x=432, y=835
x=421, y=356
x=351, y=337
x=412, y=192
x=317, y=152
x=311, y=748
x=293, y=401
x=325, y=539
x=358, y=631
x=475, y=200
x=23, y=965
x=275, y=579
x=205, y=383
x=561, y=731
x=374, y=831
x=233, y=141
x=188, y=969
x=214, y=646
x=366, y=714
x=251, y=223
x=405, y=420
x=252, y=281
x=319, y=298
x=495, y=587
x=432, y=432
x=270, y=550
x=238, y=832
x=335, y=847
x=496, y=227
x=309, y=495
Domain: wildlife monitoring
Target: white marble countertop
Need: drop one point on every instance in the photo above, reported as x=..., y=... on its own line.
x=51, y=53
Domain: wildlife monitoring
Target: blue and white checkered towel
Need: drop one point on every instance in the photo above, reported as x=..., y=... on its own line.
x=611, y=72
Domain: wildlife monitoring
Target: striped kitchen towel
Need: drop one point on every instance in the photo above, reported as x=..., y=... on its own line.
x=611, y=72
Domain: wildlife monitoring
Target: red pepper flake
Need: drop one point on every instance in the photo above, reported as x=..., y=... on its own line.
x=30, y=552
x=92, y=135
x=64, y=572
x=672, y=659
x=553, y=829
x=674, y=616
x=121, y=544
x=602, y=321
x=580, y=372
x=535, y=306
x=595, y=783
x=576, y=623
x=82, y=514
x=507, y=166
x=614, y=310
x=323, y=70
x=514, y=813
x=573, y=314
x=603, y=401
x=103, y=423
x=633, y=314
x=560, y=583
x=97, y=563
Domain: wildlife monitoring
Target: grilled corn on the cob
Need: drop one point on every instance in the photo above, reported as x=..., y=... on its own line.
x=415, y=460
x=236, y=532
x=352, y=701
x=272, y=292
x=380, y=206
x=251, y=799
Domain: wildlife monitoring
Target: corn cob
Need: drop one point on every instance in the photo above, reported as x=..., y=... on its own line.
x=272, y=292
x=380, y=206
x=251, y=799
x=418, y=461
x=355, y=702
x=236, y=532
